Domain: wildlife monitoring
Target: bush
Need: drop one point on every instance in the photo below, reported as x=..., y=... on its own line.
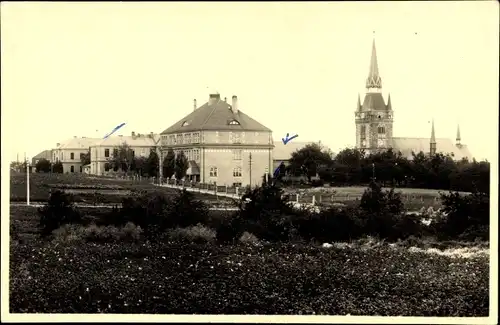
x=265, y=212
x=331, y=225
x=465, y=216
x=230, y=229
x=248, y=238
x=58, y=211
x=381, y=210
x=57, y=167
x=43, y=166
x=185, y=211
x=101, y=234
x=196, y=234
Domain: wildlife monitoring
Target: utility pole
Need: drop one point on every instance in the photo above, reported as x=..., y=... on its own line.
x=27, y=180
x=250, y=163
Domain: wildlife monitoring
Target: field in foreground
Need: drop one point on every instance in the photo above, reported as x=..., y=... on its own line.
x=75, y=276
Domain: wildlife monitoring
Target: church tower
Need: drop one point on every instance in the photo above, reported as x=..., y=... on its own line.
x=374, y=118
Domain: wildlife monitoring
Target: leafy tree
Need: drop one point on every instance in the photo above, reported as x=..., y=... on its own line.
x=307, y=160
x=122, y=158
x=152, y=164
x=181, y=165
x=85, y=158
x=43, y=166
x=57, y=167
x=169, y=164
x=140, y=165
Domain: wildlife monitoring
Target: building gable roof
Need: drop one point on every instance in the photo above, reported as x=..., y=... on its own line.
x=218, y=116
x=78, y=143
x=445, y=146
x=46, y=154
x=143, y=140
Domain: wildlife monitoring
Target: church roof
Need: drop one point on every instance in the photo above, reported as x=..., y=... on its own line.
x=374, y=101
x=445, y=146
x=217, y=116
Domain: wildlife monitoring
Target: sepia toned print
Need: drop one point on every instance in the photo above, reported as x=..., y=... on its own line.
x=230, y=160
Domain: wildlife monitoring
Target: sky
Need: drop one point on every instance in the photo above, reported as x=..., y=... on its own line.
x=80, y=69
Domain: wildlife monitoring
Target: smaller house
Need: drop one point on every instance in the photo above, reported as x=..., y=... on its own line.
x=46, y=154
x=283, y=152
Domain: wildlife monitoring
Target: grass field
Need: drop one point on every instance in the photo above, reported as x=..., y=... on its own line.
x=87, y=189
x=359, y=278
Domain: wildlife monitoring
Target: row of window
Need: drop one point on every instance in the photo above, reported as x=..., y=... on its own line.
x=191, y=154
x=380, y=115
x=236, y=171
x=71, y=156
x=185, y=138
x=193, y=138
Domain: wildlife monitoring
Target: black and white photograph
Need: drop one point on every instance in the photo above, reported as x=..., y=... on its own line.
x=295, y=162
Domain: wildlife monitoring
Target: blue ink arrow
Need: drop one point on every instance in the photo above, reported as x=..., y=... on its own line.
x=114, y=130
x=288, y=139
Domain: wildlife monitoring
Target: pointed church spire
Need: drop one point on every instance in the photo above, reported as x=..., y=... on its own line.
x=373, y=80
x=459, y=139
x=433, y=134
x=433, y=141
x=389, y=105
x=359, y=103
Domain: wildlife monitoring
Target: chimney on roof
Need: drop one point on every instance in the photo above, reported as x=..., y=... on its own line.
x=225, y=99
x=74, y=137
x=58, y=144
x=234, y=107
x=213, y=99
x=195, y=105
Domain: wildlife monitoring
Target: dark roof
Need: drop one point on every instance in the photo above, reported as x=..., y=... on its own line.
x=445, y=146
x=215, y=117
x=46, y=154
x=374, y=101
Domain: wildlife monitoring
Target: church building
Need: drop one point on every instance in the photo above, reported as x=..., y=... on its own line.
x=374, y=120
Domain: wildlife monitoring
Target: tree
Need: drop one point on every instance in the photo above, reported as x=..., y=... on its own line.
x=122, y=158
x=57, y=167
x=309, y=159
x=181, y=165
x=85, y=158
x=152, y=164
x=169, y=164
x=43, y=166
x=140, y=166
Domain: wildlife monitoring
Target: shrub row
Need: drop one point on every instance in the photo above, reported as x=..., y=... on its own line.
x=266, y=213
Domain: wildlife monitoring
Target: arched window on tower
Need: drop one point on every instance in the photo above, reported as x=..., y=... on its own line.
x=363, y=132
x=381, y=130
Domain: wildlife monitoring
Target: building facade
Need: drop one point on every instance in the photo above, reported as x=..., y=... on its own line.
x=223, y=145
x=69, y=153
x=374, y=120
x=101, y=152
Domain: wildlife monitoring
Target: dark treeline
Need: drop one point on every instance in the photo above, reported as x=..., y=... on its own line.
x=353, y=167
